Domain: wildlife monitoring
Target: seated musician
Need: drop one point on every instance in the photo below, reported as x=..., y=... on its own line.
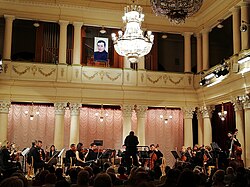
x=5, y=158
x=51, y=157
x=158, y=153
x=39, y=156
x=155, y=160
x=71, y=153
x=80, y=160
x=14, y=155
x=91, y=154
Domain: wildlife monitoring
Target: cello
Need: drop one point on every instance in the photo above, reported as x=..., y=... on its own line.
x=153, y=158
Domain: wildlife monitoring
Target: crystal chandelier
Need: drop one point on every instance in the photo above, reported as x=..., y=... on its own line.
x=176, y=11
x=32, y=113
x=102, y=114
x=223, y=113
x=132, y=43
x=165, y=117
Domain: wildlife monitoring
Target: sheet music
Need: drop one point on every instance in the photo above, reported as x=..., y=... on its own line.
x=61, y=152
x=25, y=151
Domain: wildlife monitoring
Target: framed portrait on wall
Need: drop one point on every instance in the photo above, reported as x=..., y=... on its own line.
x=100, y=49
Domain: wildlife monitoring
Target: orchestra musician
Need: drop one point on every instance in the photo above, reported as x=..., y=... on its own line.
x=51, y=156
x=5, y=157
x=14, y=155
x=155, y=159
x=91, y=154
x=71, y=153
x=234, y=146
x=80, y=159
x=39, y=156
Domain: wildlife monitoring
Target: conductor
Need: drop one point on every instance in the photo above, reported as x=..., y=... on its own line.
x=131, y=142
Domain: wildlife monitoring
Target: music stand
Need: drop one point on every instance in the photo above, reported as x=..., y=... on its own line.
x=98, y=142
x=60, y=157
x=24, y=153
x=176, y=155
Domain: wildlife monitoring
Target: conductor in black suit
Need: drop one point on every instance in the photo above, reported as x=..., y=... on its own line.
x=131, y=142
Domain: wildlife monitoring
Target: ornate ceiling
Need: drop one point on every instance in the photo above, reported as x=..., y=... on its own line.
x=108, y=13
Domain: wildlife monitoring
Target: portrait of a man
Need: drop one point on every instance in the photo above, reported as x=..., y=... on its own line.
x=101, y=49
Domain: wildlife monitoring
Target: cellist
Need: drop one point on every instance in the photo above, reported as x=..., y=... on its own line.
x=155, y=160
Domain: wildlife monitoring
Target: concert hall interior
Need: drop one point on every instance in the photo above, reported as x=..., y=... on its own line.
x=191, y=88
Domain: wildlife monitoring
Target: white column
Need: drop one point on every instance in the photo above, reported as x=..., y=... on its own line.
x=141, y=113
x=207, y=114
x=141, y=63
x=8, y=36
x=4, y=111
x=245, y=17
x=236, y=31
x=77, y=43
x=187, y=51
x=247, y=133
x=188, y=126
x=205, y=49
x=74, y=123
x=200, y=128
x=63, y=41
x=199, y=52
x=59, y=125
x=126, y=64
x=127, y=114
x=239, y=118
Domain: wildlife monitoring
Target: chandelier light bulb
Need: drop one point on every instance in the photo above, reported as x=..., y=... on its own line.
x=37, y=112
x=170, y=117
x=161, y=116
x=166, y=121
x=26, y=112
x=31, y=117
x=101, y=119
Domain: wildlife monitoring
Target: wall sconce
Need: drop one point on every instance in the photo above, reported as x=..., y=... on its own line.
x=220, y=25
x=223, y=113
x=244, y=26
x=32, y=113
x=1, y=64
x=102, y=31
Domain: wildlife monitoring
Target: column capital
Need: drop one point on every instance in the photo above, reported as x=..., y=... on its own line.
x=235, y=9
x=127, y=110
x=141, y=111
x=206, y=30
x=188, y=112
x=4, y=107
x=238, y=105
x=206, y=111
x=60, y=108
x=77, y=24
x=187, y=34
x=75, y=109
x=244, y=3
x=9, y=17
x=246, y=105
x=197, y=35
x=63, y=22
